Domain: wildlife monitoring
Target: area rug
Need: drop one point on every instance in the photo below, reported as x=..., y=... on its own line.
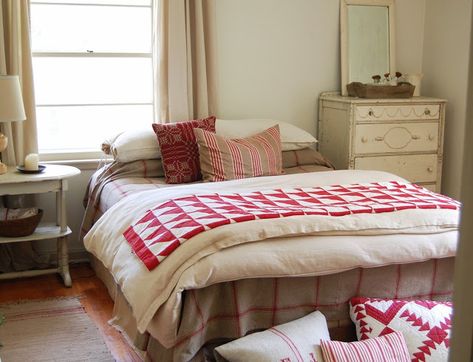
x=50, y=330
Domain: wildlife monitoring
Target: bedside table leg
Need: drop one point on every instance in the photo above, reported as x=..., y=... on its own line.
x=63, y=261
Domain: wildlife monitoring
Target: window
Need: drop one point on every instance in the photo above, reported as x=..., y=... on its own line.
x=92, y=67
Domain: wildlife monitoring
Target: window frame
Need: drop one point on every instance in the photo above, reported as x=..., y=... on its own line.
x=89, y=157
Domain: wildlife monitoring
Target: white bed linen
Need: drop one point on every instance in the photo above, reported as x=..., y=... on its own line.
x=157, y=293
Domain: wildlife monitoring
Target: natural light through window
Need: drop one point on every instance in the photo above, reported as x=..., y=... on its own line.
x=92, y=67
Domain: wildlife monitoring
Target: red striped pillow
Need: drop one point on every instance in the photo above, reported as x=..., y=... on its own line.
x=228, y=159
x=389, y=348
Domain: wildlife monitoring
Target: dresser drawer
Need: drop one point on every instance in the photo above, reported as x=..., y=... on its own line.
x=377, y=113
x=415, y=168
x=400, y=137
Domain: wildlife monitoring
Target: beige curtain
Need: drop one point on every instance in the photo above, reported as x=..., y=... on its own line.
x=184, y=59
x=15, y=59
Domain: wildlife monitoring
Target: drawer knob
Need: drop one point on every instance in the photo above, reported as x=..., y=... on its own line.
x=415, y=137
x=431, y=137
x=370, y=112
x=379, y=138
x=430, y=169
x=364, y=139
x=427, y=112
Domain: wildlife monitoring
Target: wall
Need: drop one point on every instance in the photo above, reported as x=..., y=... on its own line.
x=275, y=56
x=75, y=212
x=445, y=68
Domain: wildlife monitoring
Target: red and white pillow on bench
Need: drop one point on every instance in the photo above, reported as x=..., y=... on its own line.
x=426, y=325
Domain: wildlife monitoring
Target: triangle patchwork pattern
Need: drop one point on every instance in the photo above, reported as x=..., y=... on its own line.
x=170, y=224
x=425, y=325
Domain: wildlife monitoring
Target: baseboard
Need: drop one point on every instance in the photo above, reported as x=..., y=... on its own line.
x=75, y=256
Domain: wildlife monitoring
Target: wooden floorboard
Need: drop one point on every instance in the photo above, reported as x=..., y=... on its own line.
x=93, y=295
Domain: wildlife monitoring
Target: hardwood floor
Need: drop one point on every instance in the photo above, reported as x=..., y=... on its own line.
x=94, y=298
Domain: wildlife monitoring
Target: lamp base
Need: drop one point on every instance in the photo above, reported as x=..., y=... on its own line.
x=3, y=168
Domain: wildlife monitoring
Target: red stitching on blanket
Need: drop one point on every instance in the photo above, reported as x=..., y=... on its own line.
x=398, y=280
x=312, y=307
x=194, y=298
x=118, y=187
x=275, y=302
x=237, y=310
x=434, y=278
x=145, y=170
x=360, y=278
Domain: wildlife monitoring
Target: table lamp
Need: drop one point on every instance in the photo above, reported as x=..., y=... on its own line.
x=11, y=107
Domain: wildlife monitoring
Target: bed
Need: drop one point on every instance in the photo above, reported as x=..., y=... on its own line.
x=180, y=313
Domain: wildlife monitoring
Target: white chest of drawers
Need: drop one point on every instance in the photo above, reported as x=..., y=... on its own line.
x=401, y=136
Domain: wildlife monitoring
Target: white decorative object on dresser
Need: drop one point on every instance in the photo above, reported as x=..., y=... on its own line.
x=401, y=136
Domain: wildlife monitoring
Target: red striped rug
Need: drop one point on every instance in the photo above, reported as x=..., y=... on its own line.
x=50, y=330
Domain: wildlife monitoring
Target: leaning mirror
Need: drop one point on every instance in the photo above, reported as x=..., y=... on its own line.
x=366, y=39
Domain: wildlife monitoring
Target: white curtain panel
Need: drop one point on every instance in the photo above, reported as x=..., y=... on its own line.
x=184, y=59
x=15, y=59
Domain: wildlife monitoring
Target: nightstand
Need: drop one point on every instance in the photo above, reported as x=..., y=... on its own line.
x=52, y=179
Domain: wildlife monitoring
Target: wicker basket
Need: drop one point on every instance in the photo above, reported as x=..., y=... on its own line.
x=20, y=227
x=402, y=90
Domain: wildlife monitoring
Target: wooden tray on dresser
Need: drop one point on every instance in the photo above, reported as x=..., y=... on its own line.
x=360, y=90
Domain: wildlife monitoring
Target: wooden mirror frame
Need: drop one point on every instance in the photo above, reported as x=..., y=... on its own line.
x=344, y=61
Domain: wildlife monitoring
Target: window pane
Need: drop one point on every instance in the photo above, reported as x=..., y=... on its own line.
x=63, y=129
x=78, y=28
x=106, y=2
x=92, y=80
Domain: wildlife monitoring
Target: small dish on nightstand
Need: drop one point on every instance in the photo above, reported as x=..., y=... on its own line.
x=22, y=169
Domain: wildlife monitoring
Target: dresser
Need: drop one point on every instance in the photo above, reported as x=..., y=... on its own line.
x=401, y=136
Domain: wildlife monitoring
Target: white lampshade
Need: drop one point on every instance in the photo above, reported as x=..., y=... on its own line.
x=11, y=100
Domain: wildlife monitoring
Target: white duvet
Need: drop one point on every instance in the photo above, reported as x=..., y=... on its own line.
x=279, y=247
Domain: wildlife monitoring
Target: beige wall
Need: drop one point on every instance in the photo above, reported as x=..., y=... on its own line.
x=276, y=56
x=445, y=68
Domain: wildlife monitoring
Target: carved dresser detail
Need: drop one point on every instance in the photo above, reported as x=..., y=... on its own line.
x=401, y=136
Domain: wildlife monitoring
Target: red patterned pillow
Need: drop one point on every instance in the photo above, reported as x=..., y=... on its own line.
x=425, y=324
x=179, y=150
x=228, y=159
x=389, y=348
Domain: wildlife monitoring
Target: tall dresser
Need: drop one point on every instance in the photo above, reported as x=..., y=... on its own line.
x=401, y=136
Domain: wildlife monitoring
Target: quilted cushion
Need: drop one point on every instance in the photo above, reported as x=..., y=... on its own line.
x=179, y=150
x=387, y=348
x=426, y=325
x=228, y=159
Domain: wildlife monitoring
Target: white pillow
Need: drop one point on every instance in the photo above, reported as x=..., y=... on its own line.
x=298, y=340
x=140, y=144
x=292, y=137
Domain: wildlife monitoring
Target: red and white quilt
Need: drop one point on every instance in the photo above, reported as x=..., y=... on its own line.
x=161, y=230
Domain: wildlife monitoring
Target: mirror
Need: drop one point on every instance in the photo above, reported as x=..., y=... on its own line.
x=366, y=39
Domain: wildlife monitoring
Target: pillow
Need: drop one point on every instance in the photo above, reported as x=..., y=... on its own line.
x=133, y=145
x=306, y=156
x=294, y=341
x=425, y=324
x=179, y=149
x=292, y=137
x=228, y=159
x=389, y=348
